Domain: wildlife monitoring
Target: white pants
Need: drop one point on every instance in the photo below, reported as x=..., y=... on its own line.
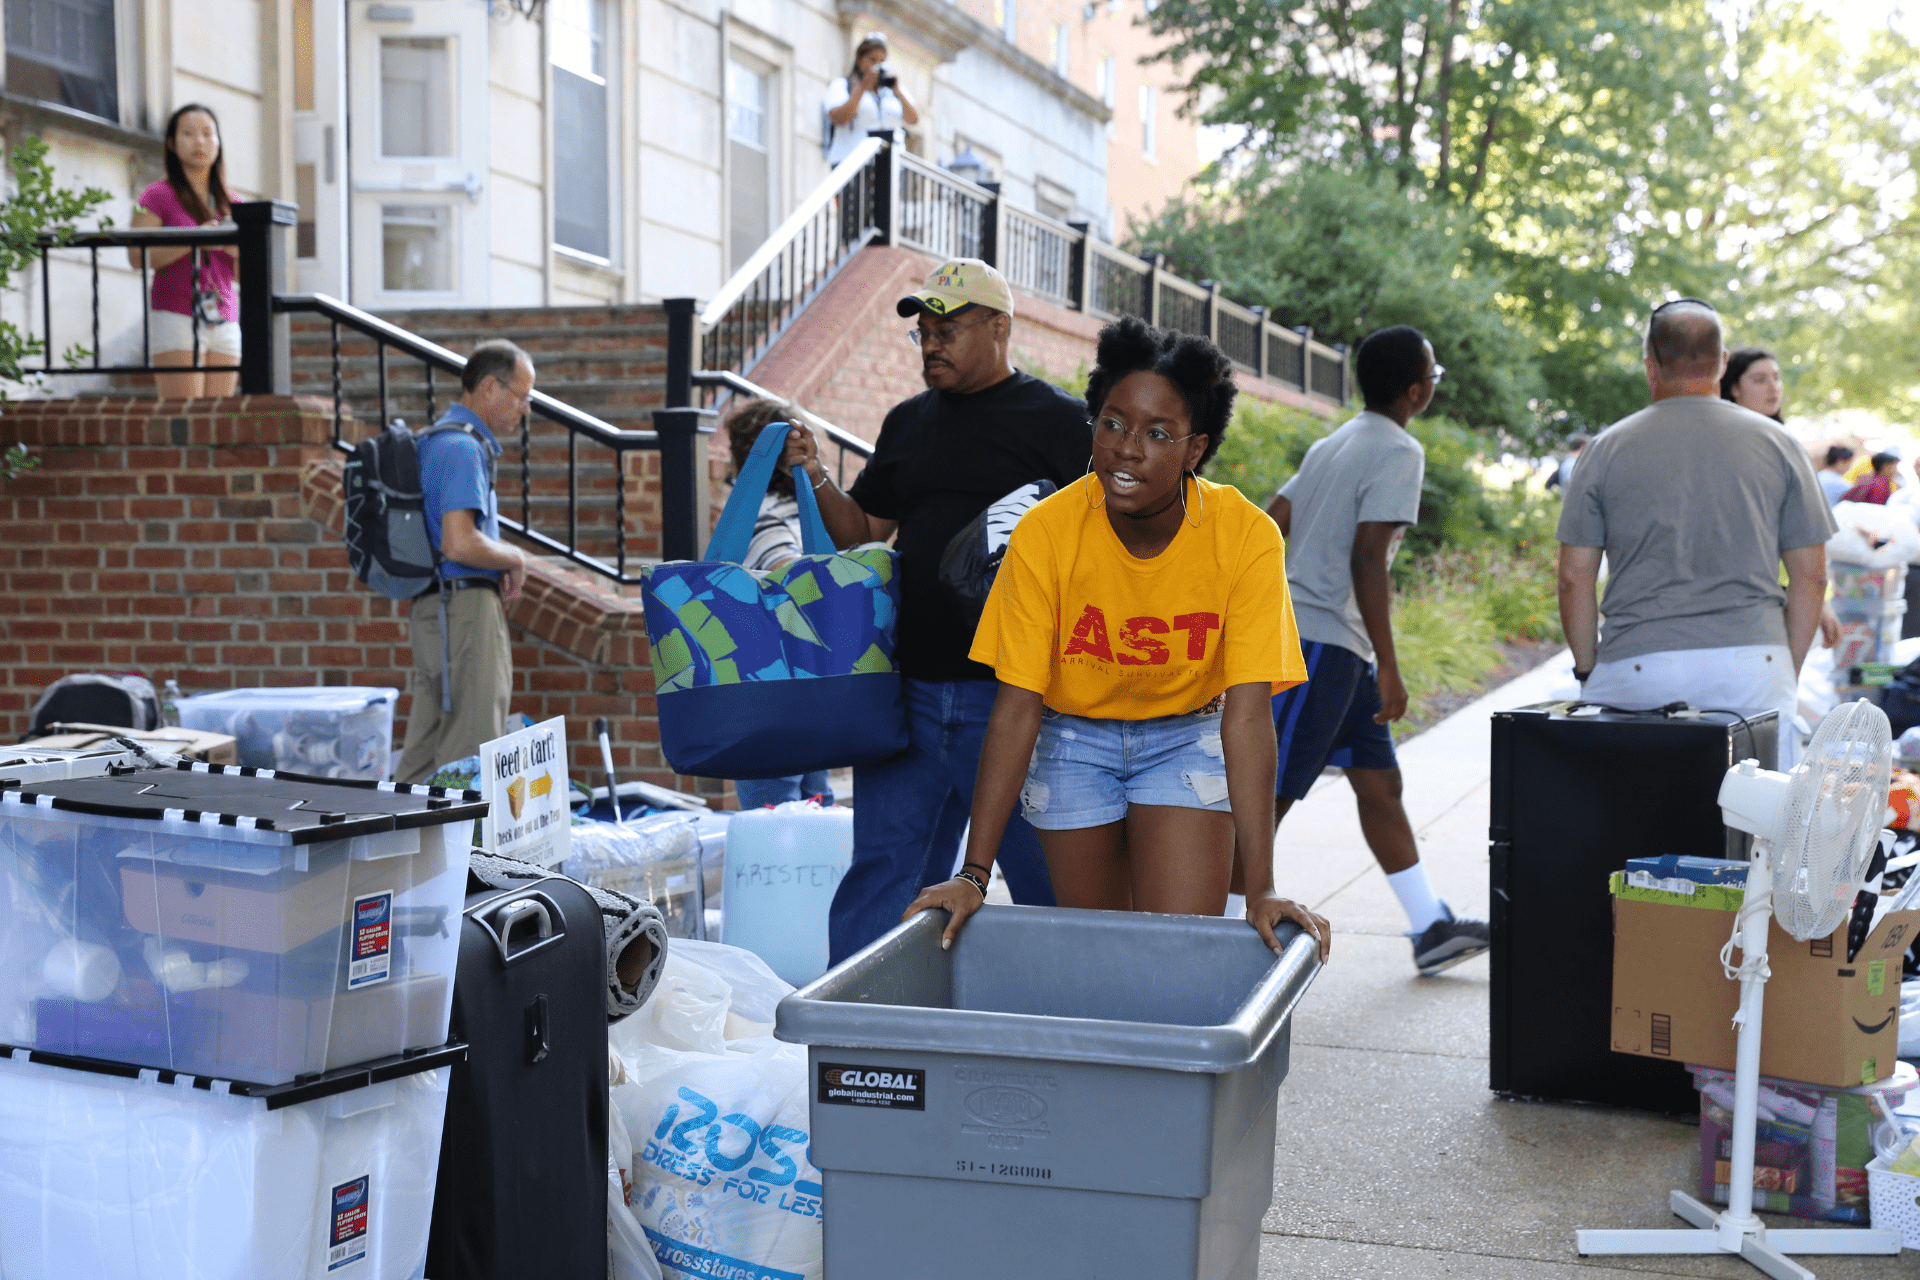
x=1746, y=679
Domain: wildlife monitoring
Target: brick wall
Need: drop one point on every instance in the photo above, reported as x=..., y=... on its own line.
x=849, y=360
x=199, y=540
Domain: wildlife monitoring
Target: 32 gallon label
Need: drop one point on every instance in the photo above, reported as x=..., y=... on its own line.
x=891, y=1088
x=347, y=1223
x=372, y=926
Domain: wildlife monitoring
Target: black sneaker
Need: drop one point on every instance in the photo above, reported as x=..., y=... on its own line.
x=1448, y=941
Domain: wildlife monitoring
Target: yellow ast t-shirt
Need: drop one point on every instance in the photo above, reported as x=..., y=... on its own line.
x=1075, y=617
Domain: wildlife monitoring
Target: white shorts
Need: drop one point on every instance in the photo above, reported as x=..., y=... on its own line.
x=171, y=331
x=1746, y=679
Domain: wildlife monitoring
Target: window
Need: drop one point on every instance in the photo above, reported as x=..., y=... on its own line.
x=63, y=51
x=751, y=172
x=305, y=236
x=1059, y=45
x=416, y=245
x=1048, y=205
x=416, y=96
x=1147, y=132
x=1007, y=18
x=582, y=160
x=1109, y=91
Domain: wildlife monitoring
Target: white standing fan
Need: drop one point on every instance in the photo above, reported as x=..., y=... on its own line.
x=1814, y=832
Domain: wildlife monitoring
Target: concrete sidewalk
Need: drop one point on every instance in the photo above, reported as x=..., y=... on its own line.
x=1393, y=1158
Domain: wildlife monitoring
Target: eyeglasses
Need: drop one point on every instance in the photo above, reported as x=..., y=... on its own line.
x=1439, y=372
x=941, y=335
x=1110, y=433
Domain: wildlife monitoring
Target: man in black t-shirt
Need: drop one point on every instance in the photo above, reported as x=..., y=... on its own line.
x=980, y=431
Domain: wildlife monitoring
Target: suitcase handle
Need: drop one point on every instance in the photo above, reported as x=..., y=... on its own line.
x=535, y=909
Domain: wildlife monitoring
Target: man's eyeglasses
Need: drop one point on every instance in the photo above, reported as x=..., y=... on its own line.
x=941, y=335
x=1439, y=372
x=1110, y=433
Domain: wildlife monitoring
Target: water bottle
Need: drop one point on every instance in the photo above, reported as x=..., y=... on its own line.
x=170, y=705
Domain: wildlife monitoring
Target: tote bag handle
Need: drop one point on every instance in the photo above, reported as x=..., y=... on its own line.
x=734, y=532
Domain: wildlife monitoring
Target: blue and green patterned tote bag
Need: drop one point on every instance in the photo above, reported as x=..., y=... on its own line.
x=765, y=675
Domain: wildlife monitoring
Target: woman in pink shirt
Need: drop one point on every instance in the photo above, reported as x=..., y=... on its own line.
x=193, y=195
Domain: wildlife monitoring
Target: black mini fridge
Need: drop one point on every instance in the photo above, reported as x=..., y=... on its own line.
x=1575, y=792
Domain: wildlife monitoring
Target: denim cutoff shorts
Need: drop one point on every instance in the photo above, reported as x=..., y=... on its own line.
x=1085, y=772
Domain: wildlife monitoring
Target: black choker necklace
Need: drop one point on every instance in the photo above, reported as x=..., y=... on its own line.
x=1149, y=515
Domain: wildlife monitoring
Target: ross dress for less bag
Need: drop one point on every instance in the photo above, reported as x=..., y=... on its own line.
x=765, y=675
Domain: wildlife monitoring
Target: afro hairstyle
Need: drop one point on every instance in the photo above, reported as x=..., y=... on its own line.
x=1200, y=371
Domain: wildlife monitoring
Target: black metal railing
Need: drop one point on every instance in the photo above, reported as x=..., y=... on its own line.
x=544, y=475
x=755, y=307
x=919, y=206
x=729, y=385
x=111, y=342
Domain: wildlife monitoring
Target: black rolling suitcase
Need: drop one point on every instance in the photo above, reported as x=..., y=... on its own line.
x=523, y=1163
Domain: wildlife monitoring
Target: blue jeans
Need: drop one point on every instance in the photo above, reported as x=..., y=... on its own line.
x=908, y=813
x=758, y=793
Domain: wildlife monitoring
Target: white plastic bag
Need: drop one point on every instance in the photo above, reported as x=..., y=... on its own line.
x=717, y=1112
x=1872, y=536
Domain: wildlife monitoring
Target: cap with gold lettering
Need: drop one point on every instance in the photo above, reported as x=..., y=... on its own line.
x=956, y=285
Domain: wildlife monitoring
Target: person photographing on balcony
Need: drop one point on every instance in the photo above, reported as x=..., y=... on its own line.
x=193, y=194
x=867, y=99
x=1137, y=630
x=981, y=430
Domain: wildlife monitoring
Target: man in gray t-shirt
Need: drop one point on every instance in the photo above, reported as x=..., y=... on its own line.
x=1343, y=515
x=1695, y=502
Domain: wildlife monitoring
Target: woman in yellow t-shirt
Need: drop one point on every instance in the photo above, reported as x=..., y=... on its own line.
x=1139, y=626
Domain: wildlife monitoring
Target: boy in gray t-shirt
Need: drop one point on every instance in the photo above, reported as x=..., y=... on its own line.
x=1343, y=516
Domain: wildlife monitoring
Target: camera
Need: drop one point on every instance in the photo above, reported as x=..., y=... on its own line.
x=887, y=79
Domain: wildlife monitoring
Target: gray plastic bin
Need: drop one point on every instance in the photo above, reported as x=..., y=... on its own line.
x=1065, y=1094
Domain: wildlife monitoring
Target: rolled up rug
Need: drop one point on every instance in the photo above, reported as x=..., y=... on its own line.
x=636, y=935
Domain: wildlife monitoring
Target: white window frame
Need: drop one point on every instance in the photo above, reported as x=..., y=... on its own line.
x=1149, y=123
x=609, y=78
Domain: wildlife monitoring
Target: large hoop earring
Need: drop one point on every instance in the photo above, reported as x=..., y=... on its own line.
x=1200, y=500
x=1091, y=504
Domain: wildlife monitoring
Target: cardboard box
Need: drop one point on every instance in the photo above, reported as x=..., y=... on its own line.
x=1811, y=1145
x=1828, y=1021
x=194, y=744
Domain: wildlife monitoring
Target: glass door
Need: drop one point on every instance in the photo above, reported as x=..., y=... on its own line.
x=418, y=76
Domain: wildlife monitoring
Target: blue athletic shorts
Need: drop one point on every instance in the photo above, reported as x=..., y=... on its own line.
x=1328, y=721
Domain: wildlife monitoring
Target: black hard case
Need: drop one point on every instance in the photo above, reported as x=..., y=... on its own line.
x=523, y=1161
x=1571, y=799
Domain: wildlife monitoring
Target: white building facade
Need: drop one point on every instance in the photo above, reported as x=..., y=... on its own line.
x=514, y=153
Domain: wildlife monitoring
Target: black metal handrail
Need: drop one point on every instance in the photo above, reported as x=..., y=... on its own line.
x=258, y=249
x=918, y=205
x=735, y=385
x=679, y=437
x=755, y=306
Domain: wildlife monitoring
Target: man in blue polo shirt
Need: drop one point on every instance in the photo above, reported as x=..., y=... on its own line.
x=462, y=663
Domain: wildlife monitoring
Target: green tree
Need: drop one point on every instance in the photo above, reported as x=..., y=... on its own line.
x=35, y=208
x=1348, y=253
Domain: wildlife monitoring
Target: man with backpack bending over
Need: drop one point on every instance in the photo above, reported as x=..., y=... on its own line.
x=478, y=573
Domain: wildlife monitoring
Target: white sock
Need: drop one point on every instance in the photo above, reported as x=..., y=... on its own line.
x=1236, y=906
x=1416, y=897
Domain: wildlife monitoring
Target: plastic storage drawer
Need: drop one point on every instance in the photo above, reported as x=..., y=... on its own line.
x=317, y=730
x=228, y=924
x=1869, y=629
x=1851, y=582
x=1093, y=1092
x=158, y=1177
